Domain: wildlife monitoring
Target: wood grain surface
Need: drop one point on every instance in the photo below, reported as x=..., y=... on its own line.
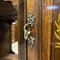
x=46, y=29
x=33, y=7
x=10, y=57
x=55, y=52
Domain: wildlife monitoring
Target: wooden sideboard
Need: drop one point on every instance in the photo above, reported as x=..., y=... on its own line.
x=8, y=14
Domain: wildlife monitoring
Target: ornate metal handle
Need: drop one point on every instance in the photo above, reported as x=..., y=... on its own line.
x=28, y=30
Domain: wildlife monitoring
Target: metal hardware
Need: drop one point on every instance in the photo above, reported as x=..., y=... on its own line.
x=57, y=24
x=56, y=44
x=28, y=30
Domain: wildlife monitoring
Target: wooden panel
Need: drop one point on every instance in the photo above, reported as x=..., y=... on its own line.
x=46, y=28
x=21, y=18
x=55, y=52
x=32, y=6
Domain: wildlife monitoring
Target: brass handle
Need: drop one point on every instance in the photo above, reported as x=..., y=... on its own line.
x=28, y=30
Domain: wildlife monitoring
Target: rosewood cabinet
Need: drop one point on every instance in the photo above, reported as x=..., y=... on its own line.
x=46, y=29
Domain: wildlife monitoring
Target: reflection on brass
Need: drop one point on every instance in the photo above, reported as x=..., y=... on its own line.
x=57, y=32
x=57, y=36
x=57, y=45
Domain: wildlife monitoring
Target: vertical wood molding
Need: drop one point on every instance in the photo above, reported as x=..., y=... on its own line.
x=39, y=44
x=46, y=29
x=22, y=44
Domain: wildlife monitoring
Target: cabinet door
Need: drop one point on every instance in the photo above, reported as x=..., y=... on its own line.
x=50, y=30
x=41, y=30
x=55, y=41
x=27, y=7
x=46, y=29
x=34, y=7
